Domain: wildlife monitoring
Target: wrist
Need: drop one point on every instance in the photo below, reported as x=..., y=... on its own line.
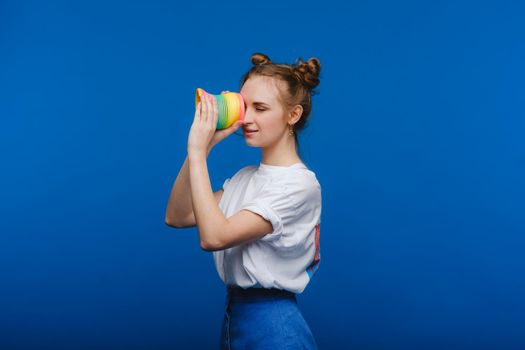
x=197, y=155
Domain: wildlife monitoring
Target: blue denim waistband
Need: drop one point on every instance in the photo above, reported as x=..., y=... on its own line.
x=239, y=292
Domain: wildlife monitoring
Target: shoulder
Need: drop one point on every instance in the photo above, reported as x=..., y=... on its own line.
x=300, y=179
x=248, y=169
x=245, y=171
x=241, y=176
x=300, y=186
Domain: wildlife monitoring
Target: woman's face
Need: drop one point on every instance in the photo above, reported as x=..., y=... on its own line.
x=263, y=111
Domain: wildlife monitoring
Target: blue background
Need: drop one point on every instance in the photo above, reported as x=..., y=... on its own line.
x=416, y=136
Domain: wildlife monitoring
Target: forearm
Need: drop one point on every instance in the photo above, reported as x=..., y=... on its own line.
x=208, y=216
x=180, y=202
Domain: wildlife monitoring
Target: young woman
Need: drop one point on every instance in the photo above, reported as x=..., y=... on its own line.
x=263, y=226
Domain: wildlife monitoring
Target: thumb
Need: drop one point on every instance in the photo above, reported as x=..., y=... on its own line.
x=231, y=129
x=237, y=125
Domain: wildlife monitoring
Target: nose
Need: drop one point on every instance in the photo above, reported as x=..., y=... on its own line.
x=248, y=118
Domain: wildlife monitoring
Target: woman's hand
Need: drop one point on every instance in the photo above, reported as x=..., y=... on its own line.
x=203, y=134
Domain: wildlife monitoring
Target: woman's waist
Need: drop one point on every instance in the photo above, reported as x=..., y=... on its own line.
x=237, y=292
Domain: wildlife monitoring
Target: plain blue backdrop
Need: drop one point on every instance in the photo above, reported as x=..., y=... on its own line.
x=416, y=137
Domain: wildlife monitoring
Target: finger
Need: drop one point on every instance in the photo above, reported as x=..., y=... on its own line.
x=234, y=127
x=197, y=116
x=210, y=109
x=202, y=112
x=215, y=112
x=204, y=115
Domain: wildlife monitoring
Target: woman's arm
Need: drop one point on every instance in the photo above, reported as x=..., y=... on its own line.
x=180, y=207
x=216, y=232
x=209, y=218
x=213, y=227
x=179, y=212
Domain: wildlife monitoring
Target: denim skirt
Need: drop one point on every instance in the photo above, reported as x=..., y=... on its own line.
x=263, y=318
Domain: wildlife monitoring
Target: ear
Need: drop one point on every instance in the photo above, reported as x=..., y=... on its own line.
x=295, y=114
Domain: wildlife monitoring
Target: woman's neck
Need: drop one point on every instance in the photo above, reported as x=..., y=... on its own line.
x=282, y=153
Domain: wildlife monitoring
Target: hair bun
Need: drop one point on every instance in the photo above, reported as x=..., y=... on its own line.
x=308, y=71
x=260, y=58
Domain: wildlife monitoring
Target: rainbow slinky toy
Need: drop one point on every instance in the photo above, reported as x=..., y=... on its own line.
x=230, y=106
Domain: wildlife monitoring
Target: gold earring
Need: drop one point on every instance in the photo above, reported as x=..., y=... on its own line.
x=290, y=132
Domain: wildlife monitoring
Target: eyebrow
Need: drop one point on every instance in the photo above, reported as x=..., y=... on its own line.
x=260, y=103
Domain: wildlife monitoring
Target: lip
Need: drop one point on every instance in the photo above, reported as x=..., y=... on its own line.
x=250, y=132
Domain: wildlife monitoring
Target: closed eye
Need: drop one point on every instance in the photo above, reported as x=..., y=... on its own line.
x=257, y=109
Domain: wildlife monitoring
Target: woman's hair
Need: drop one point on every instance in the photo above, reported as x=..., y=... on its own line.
x=300, y=79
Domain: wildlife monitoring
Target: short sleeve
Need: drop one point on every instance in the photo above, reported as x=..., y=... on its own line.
x=282, y=203
x=226, y=183
x=238, y=177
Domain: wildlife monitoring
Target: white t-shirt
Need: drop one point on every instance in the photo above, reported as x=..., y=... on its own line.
x=287, y=258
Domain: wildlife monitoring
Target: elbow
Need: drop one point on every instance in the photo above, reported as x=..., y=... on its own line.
x=169, y=222
x=209, y=246
x=205, y=246
x=214, y=240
